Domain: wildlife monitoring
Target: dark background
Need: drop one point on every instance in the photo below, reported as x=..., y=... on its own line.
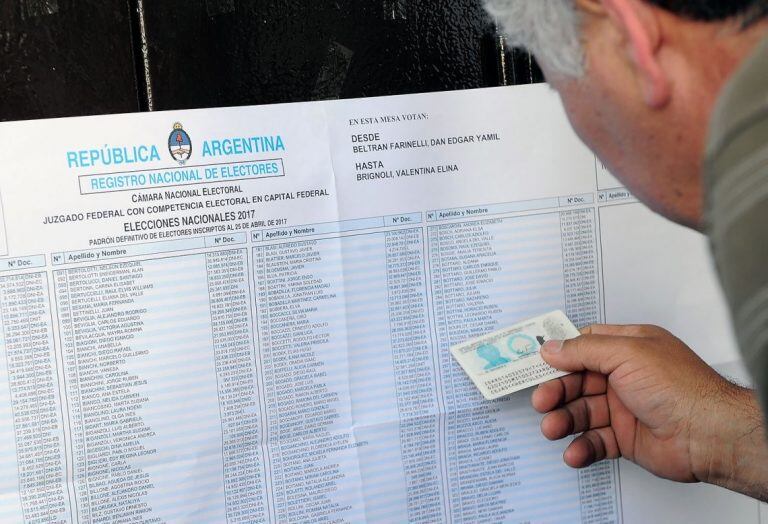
x=81, y=57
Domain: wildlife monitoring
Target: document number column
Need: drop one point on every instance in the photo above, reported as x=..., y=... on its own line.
x=27, y=340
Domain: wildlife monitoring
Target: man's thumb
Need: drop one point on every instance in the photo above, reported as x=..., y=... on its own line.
x=601, y=353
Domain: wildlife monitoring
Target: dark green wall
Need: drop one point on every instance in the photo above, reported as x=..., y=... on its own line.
x=79, y=57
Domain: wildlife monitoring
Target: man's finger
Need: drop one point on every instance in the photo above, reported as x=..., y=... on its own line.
x=554, y=393
x=600, y=353
x=575, y=417
x=593, y=446
x=622, y=330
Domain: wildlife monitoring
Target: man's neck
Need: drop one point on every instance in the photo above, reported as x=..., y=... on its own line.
x=717, y=50
x=706, y=56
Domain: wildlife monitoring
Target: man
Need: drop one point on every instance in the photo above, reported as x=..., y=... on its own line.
x=640, y=80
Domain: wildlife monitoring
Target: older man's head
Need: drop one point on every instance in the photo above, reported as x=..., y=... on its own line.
x=639, y=79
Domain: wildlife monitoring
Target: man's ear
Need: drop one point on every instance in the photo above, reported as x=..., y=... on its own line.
x=638, y=23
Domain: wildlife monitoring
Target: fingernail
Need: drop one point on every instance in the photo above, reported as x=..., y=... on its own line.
x=552, y=346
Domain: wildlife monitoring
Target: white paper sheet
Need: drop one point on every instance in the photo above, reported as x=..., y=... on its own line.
x=246, y=317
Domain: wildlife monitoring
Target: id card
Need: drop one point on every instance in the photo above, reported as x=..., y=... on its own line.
x=508, y=360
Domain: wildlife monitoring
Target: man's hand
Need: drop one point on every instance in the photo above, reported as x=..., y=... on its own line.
x=642, y=394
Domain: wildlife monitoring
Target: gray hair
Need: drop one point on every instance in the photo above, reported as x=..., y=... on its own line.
x=550, y=29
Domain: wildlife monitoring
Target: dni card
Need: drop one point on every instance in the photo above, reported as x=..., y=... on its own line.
x=508, y=360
